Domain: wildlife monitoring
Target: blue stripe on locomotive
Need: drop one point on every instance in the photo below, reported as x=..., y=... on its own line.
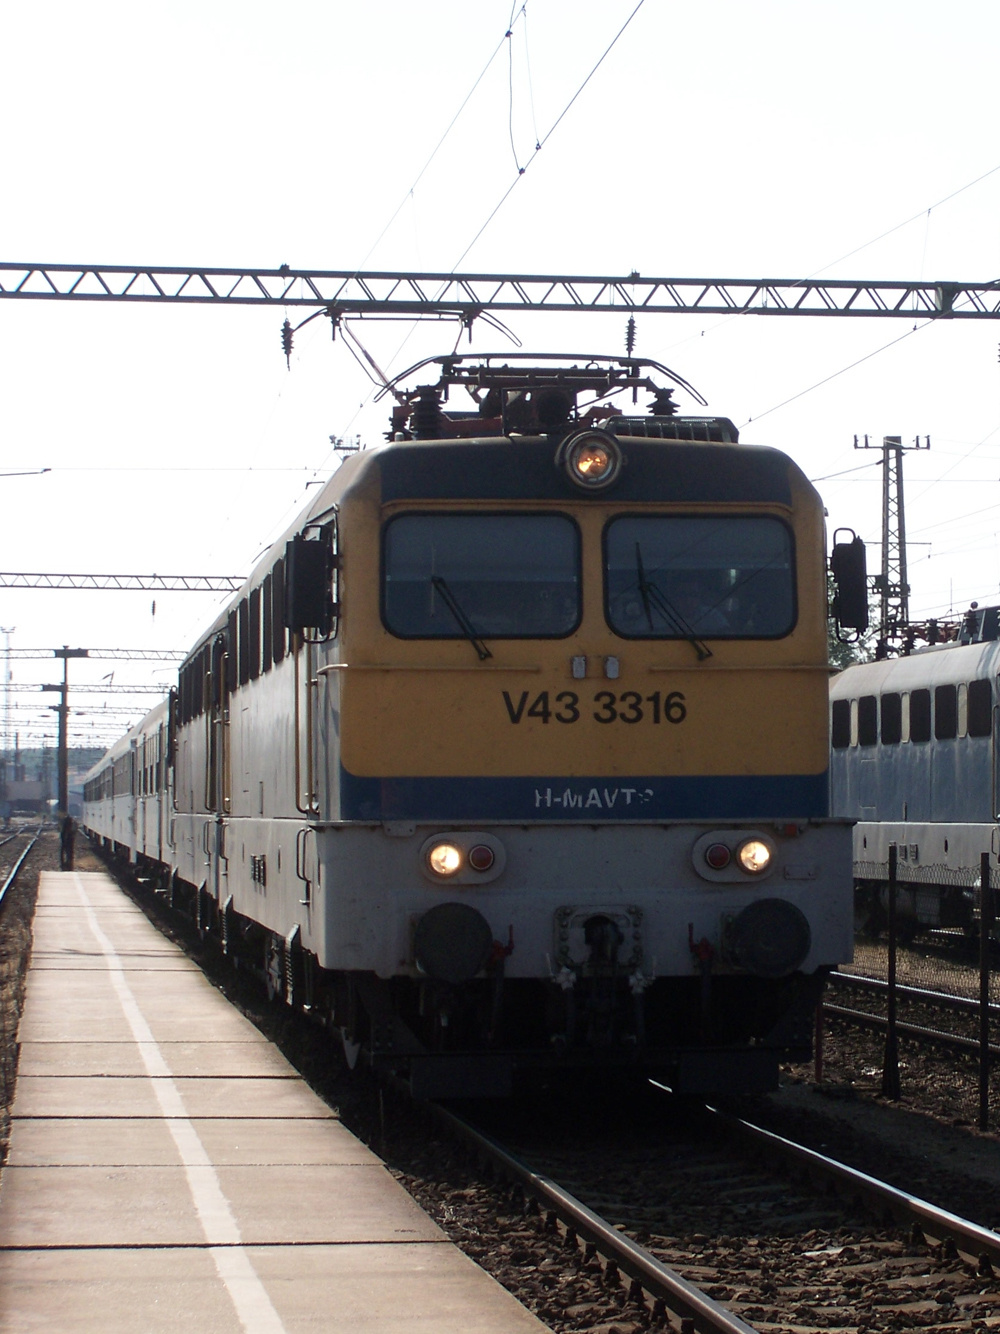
x=725, y=797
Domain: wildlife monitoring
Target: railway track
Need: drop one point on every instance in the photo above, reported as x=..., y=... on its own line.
x=735, y=1228
x=12, y=871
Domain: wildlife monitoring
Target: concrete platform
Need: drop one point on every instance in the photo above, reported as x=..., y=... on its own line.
x=169, y=1170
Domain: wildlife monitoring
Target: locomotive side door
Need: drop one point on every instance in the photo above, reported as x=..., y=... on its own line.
x=217, y=775
x=217, y=778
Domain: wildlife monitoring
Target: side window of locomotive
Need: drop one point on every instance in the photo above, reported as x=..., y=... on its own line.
x=716, y=577
x=891, y=731
x=963, y=710
x=500, y=576
x=867, y=720
x=267, y=628
x=232, y=651
x=278, y=631
x=980, y=708
x=920, y=715
x=945, y=712
x=243, y=619
x=253, y=624
x=840, y=724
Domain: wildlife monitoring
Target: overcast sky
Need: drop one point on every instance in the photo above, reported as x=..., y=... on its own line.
x=725, y=139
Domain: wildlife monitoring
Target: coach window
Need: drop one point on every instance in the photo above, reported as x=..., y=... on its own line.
x=891, y=708
x=494, y=576
x=980, y=708
x=867, y=720
x=920, y=715
x=945, y=712
x=718, y=577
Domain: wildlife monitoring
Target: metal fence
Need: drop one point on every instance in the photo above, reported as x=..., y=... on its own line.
x=922, y=1016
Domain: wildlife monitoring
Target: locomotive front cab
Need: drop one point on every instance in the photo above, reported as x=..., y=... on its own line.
x=593, y=658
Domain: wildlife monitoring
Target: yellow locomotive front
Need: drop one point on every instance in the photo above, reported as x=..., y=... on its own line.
x=582, y=677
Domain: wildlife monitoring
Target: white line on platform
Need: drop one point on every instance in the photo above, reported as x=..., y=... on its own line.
x=241, y=1281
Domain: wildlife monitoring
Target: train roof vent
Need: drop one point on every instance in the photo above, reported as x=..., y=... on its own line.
x=698, y=430
x=980, y=625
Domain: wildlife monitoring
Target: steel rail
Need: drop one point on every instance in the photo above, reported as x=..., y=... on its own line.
x=669, y=1291
x=976, y=1243
x=467, y=295
x=16, y=867
x=935, y=1037
x=943, y=1000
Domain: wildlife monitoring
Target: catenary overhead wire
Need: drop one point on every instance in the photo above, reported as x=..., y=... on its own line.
x=875, y=463
x=961, y=459
x=539, y=144
x=924, y=213
x=917, y=328
x=451, y=125
x=516, y=15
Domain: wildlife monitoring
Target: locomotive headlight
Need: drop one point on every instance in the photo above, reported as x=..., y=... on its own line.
x=444, y=859
x=754, y=856
x=593, y=459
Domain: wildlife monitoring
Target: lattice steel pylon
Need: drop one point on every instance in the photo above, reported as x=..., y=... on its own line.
x=892, y=584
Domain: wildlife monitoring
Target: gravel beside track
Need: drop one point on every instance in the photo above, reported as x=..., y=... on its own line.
x=15, y=946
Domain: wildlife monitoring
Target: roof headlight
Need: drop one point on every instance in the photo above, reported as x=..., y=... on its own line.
x=754, y=856
x=593, y=459
x=444, y=859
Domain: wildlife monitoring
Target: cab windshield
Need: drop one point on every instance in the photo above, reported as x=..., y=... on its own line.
x=704, y=576
x=493, y=576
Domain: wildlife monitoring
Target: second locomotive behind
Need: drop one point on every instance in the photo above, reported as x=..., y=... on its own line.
x=513, y=753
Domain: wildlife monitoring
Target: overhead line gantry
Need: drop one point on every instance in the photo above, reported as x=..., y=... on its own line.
x=342, y=292
x=155, y=583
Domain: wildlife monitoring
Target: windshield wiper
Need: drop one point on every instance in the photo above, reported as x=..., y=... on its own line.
x=465, y=625
x=654, y=597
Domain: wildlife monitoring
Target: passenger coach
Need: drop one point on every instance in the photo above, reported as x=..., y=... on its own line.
x=915, y=763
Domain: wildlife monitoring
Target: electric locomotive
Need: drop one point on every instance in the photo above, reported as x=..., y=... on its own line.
x=513, y=754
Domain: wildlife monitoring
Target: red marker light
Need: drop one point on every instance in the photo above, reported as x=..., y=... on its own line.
x=718, y=856
x=481, y=857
